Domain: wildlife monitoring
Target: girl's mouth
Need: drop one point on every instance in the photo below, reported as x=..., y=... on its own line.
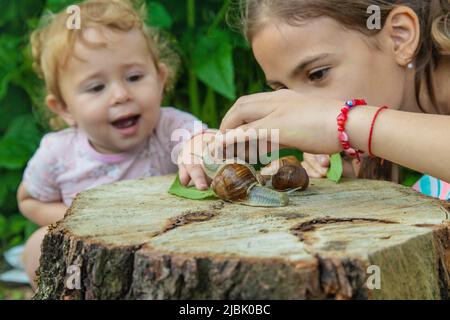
x=127, y=126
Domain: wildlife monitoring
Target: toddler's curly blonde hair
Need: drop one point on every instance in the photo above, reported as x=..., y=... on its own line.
x=52, y=44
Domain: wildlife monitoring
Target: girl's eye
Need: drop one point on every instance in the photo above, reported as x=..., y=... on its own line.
x=96, y=89
x=135, y=78
x=318, y=75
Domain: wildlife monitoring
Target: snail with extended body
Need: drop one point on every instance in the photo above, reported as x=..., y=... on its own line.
x=239, y=182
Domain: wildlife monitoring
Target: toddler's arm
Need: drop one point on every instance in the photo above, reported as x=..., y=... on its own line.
x=40, y=213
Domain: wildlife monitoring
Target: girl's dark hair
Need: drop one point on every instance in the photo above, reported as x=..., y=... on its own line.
x=434, y=17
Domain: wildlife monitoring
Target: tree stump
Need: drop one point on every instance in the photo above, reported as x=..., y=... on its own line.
x=132, y=240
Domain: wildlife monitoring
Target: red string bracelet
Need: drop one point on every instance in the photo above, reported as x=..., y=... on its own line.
x=342, y=121
x=372, y=127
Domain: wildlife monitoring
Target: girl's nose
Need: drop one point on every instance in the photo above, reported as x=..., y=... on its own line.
x=120, y=95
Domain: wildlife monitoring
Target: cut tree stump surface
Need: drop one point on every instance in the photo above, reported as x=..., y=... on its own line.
x=132, y=240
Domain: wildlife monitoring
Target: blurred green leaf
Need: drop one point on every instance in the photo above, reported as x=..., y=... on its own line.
x=9, y=182
x=210, y=114
x=158, y=16
x=24, y=128
x=336, y=168
x=409, y=177
x=15, y=103
x=213, y=63
x=15, y=241
x=30, y=228
x=19, y=142
x=177, y=189
x=16, y=224
x=3, y=225
x=58, y=5
x=14, y=13
x=17, y=295
x=14, y=154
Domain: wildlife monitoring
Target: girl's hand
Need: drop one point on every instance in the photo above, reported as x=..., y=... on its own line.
x=316, y=165
x=305, y=123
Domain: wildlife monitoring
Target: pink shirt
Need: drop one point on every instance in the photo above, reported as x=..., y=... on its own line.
x=66, y=164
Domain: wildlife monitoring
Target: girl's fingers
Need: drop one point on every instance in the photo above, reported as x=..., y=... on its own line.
x=248, y=132
x=246, y=110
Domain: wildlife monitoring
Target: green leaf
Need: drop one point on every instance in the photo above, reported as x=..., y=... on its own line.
x=14, y=154
x=158, y=16
x=24, y=128
x=409, y=177
x=14, y=104
x=16, y=224
x=15, y=241
x=336, y=168
x=213, y=63
x=210, y=114
x=177, y=189
x=3, y=225
x=30, y=228
x=14, y=13
x=9, y=182
x=19, y=143
x=58, y=5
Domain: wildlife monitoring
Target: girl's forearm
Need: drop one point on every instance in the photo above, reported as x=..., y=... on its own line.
x=41, y=213
x=412, y=140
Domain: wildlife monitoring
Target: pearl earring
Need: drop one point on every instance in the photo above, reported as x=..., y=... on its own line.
x=410, y=65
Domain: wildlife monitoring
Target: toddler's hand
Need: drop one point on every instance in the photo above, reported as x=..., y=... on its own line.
x=317, y=166
x=190, y=163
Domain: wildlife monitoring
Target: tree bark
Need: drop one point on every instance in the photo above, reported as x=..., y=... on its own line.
x=132, y=240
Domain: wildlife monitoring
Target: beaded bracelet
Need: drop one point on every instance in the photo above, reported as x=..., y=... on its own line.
x=342, y=121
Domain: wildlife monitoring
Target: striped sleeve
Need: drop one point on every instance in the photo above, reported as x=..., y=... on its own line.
x=433, y=187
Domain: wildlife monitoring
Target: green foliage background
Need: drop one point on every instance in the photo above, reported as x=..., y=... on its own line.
x=216, y=68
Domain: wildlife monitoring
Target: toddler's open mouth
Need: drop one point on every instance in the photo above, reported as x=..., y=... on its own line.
x=128, y=125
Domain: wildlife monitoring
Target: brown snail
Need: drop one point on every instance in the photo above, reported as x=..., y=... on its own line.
x=232, y=182
x=239, y=182
x=290, y=178
x=288, y=175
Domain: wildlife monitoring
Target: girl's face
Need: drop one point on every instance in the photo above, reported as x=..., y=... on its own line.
x=113, y=93
x=323, y=59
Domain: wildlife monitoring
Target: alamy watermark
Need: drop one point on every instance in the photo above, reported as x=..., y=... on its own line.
x=73, y=22
x=374, y=280
x=73, y=277
x=374, y=20
x=254, y=146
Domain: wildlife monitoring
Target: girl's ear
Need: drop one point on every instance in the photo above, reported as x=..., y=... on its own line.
x=60, y=109
x=163, y=73
x=403, y=28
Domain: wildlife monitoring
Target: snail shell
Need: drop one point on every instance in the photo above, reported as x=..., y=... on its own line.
x=290, y=177
x=239, y=183
x=233, y=181
x=287, y=174
x=270, y=170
